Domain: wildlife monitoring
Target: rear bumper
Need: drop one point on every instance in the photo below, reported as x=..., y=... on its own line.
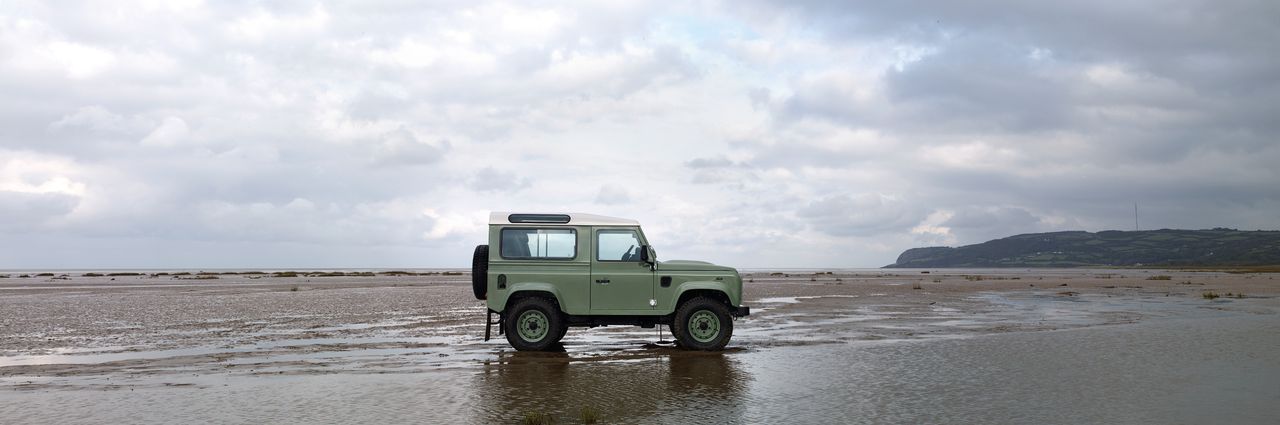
x=741, y=311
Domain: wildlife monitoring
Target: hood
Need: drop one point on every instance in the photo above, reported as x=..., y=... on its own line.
x=690, y=265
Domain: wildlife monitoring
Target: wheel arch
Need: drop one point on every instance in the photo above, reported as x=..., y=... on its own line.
x=706, y=289
x=532, y=289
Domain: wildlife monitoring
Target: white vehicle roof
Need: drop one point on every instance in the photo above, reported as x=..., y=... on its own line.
x=574, y=219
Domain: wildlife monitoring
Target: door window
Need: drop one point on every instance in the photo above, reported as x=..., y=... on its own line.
x=617, y=245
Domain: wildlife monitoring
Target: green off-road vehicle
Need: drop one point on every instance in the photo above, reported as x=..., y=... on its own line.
x=547, y=272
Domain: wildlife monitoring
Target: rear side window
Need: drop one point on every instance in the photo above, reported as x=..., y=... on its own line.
x=551, y=244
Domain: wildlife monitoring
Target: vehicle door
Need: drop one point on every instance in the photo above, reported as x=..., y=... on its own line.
x=620, y=282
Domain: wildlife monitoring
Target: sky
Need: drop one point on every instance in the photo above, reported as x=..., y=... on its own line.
x=756, y=134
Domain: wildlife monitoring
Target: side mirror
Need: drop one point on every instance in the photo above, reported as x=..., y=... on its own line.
x=648, y=257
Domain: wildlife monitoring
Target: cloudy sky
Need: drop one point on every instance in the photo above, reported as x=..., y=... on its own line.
x=289, y=134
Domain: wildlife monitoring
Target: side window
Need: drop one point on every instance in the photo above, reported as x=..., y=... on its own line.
x=617, y=245
x=560, y=244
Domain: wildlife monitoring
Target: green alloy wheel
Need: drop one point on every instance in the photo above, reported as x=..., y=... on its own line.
x=704, y=326
x=532, y=325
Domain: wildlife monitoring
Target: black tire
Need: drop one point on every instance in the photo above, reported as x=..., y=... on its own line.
x=564, y=329
x=534, y=316
x=708, y=314
x=480, y=272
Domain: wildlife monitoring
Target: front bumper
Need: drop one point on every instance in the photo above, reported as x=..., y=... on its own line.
x=741, y=311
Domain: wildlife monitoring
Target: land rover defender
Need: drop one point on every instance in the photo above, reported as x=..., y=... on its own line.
x=543, y=273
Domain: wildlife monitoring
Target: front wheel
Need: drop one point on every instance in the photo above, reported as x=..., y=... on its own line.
x=702, y=324
x=534, y=324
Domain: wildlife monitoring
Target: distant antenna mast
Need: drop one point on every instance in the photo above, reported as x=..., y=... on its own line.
x=1135, y=217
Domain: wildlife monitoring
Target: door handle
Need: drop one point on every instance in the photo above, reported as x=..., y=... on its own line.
x=602, y=281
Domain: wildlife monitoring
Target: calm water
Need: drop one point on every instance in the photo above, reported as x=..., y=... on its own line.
x=1207, y=367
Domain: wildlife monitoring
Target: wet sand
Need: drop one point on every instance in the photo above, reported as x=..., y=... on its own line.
x=286, y=349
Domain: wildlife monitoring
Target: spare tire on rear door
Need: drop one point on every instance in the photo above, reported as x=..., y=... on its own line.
x=480, y=272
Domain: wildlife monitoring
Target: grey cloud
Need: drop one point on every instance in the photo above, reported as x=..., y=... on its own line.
x=402, y=147
x=711, y=177
x=985, y=223
x=29, y=212
x=94, y=118
x=378, y=103
x=288, y=104
x=989, y=217
x=1149, y=30
x=1207, y=55
x=981, y=85
x=735, y=178
x=490, y=179
x=170, y=132
x=860, y=215
x=302, y=220
x=760, y=97
x=827, y=97
x=1087, y=120
x=613, y=195
x=717, y=162
x=342, y=126
x=795, y=154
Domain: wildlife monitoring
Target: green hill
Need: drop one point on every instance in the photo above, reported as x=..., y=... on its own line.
x=1147, y=248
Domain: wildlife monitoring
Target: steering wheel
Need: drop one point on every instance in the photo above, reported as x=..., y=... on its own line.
x=627, y=256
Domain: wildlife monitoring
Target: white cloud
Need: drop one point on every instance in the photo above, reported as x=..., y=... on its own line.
x=94, y=118
x=35, y=173
x=79, y=60
x=932, y=231
x=261, y=25
x=974, y=154
x=33, y=46
x=753, y=133
x=172, y=131
x=472, y=224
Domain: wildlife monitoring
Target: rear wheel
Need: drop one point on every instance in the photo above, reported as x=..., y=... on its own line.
x=703, y=324
x=534, y=324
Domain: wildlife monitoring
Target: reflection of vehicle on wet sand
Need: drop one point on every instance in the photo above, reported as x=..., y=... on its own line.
x=653, y=383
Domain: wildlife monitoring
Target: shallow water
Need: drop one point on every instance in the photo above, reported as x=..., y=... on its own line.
x=1219, y=370
x=373, y=351
x=1202, y=370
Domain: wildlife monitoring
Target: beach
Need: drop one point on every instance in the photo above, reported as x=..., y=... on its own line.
x=821, y=346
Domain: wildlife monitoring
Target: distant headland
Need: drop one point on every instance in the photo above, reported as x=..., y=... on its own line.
x=1217, y=247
